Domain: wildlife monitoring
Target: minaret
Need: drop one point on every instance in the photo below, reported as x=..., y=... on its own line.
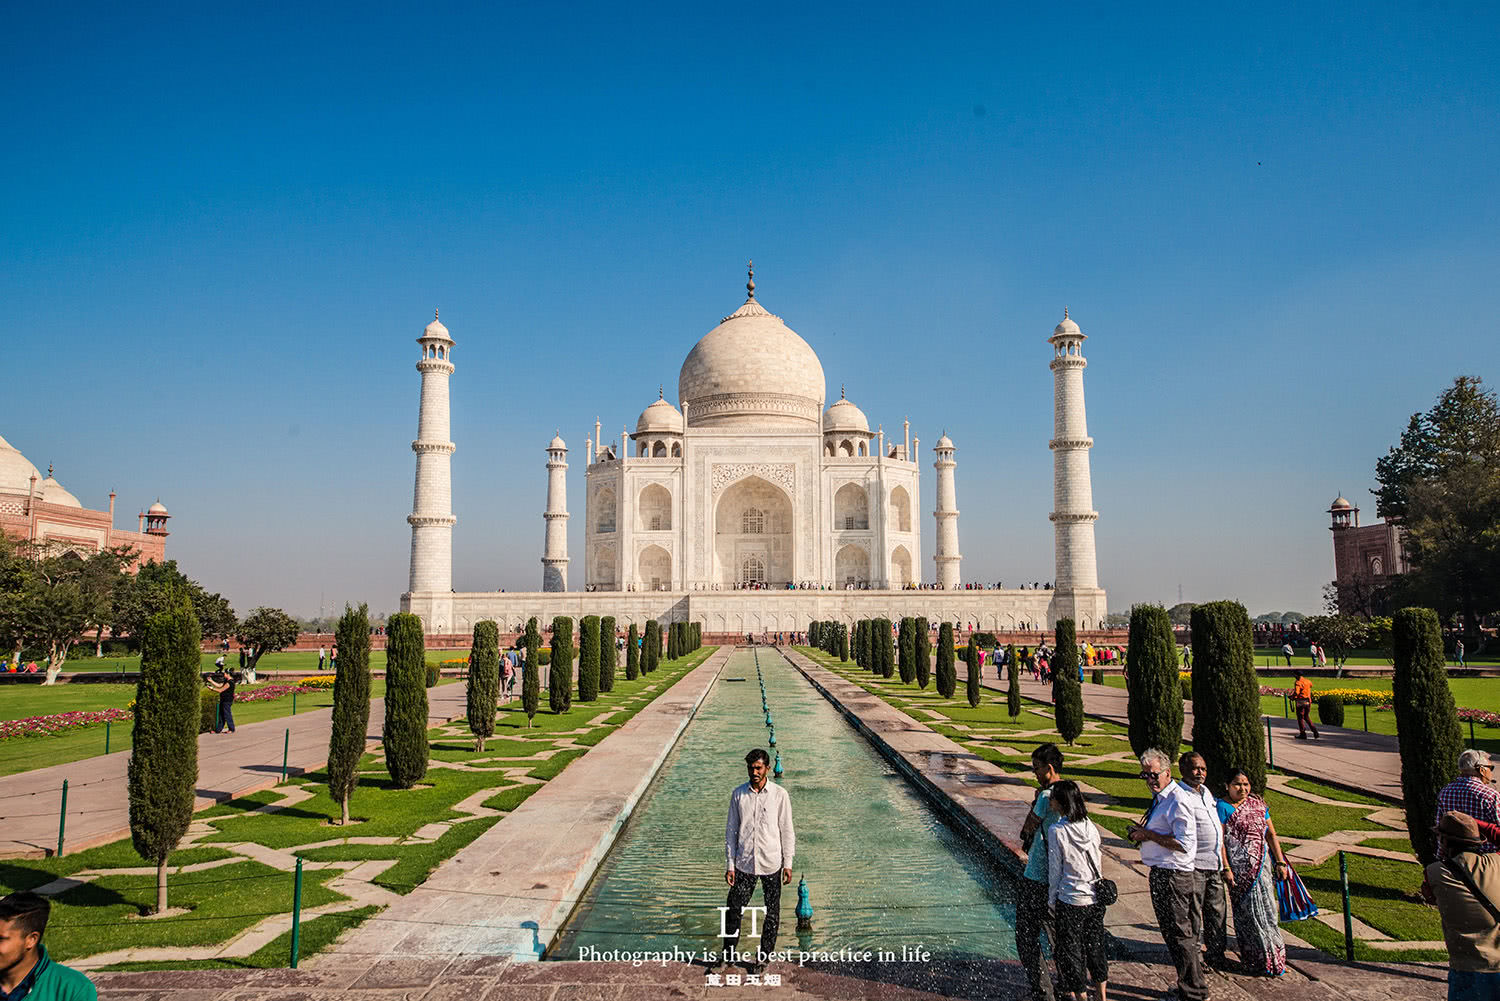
x=555, y=551
x=432, y=517
x=946, y=555
x=1073, y=513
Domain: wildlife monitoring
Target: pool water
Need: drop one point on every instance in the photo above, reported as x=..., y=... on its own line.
x=884, y=870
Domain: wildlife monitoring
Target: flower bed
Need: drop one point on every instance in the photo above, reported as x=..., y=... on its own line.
x=322, y=682
x=270, y=693
x=51, y=726
x=1348, y=696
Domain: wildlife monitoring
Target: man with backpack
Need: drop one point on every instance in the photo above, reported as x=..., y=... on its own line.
x=1465, y=885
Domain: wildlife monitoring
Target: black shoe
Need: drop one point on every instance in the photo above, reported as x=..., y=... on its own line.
x=1315, y=735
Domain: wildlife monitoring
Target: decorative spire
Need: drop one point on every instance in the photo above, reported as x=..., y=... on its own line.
x=750, y=285
x=434, y=313
x=841, y=391
x=1065, y=312
x=659, y=389
x=49, y=470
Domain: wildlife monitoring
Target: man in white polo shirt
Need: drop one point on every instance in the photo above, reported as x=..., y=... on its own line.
x=1210, y=861
x=1168, y=837
x=759, y=843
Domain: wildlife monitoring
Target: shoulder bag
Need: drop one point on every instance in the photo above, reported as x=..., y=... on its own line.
x=1467, y=878
x=1106, y=892
x=1292, y=898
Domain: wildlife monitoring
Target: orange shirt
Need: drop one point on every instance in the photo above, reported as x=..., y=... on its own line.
x=1303, y=690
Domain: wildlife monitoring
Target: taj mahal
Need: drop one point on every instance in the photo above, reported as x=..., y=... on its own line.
x=751, y=508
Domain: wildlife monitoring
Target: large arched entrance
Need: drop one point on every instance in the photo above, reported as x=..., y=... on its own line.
x=851, y=567
x=753, y=535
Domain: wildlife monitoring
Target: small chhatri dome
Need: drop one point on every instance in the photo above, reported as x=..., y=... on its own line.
x=1067, y=327
x=436, y=328
x=845, y=416
x=660, y=416
x=557, y=443
x=943, y=442
x=1341, y=503
x=158, y=508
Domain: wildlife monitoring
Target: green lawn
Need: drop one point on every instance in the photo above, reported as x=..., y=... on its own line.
x=106, y=914
x=21, y=754
x=305, y=661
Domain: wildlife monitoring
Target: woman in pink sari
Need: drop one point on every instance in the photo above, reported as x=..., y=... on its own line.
x=1254, y=851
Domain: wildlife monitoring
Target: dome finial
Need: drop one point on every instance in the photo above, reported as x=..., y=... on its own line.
x=660, y=389
x=434, y=313
x=1065, y=312
x=750, y=285
x=841, y=391
x=49, y=470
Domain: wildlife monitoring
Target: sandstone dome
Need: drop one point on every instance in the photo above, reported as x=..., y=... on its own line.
x=53, y=493
x=1341, y=503
x=15, y=471
x=752, y=369
x=661, y=416
x=845, y=416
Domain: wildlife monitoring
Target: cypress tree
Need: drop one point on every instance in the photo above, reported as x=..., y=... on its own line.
x=872, y=662
x=971, y=661
x=351, y=706
x=947, y=673
x=651, y=646
x=671, y=641
x=632, y=654
x=884, y=646
x=560, y=677
x=1013, y=693
x=405, y=733
x=1427, y=730
x=588, y=659
x=843, y=643
x=907, y=644
x=162, y=774
x=1227, y=727
x=1067, y=693
x=608, y=655
x=854, y=650
x=1155, y=692
x=484, y=681
x=531, y=671
x=924, y=652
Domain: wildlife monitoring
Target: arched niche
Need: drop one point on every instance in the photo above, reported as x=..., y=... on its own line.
x=900, y=509
x=654, y=509
x=851, y=566
x=655, y=568
x=753, y=516
x=605, y=568
x=901, y=567
x=604, y=511
x=851, y=508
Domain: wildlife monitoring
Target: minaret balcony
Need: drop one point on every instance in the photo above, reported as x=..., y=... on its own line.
x=446, y=447
x=1070, y=443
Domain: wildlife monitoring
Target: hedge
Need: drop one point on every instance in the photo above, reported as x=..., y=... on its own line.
x=608, y=655
x=947, y=673
x=1427, y=730
x=1155, y=693
x=1227, y=728
x=560, y=677
x=1067, y=693
x=405, y=733
x=588, y=659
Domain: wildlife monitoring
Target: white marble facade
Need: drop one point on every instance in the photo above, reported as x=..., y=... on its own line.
x=753, y=482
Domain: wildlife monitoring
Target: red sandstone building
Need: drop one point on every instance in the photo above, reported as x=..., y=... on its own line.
x=1372, y=552
x=37, y=509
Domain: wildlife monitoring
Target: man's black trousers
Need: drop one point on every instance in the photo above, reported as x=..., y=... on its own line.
x=739, y=896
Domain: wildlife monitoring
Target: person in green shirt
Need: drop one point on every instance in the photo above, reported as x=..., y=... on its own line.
x=27, y=973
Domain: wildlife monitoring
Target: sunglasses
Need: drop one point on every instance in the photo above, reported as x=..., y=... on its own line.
x=1148, y=776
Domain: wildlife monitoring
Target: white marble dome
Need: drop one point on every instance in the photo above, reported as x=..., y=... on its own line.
x=752, y=369
x=53, y=493
x=15, y=470
x=157, y=508
x=660, y=417
x=845, y=416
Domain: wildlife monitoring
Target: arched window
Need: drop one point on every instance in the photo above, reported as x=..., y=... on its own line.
x=659, y=450
x=846, y=447
x=752, y=570
x=643, y=450
x=828, y=449
x=676, y=450
x=753, y=522
x=863, y=450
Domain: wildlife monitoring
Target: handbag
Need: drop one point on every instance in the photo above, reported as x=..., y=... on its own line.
x=1106, y=891
x=1296, y=904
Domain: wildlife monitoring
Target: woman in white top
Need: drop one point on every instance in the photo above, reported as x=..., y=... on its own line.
x=1072, y=867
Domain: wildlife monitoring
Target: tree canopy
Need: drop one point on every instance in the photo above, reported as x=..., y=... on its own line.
x=266, y=630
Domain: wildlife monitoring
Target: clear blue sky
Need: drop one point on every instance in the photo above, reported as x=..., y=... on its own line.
x=221, y=231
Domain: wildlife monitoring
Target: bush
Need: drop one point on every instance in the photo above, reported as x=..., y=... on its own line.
x=560, y=678
x=947, y=673
x=162, y=774
x=972, y=688
x=483, y=694
x=531, y=670
x=208, y=710
x=1155, y=687
x=608, y=655
x=985, y=640
x=351, y=706
x=1330, y=710
x=405, y=731
x=632, y=654
x=1227, y=727
x=1427, y=730
x=1096, y=676
x=1067, y=693
x=434, y=674
x=908, y=644
x=588, y=659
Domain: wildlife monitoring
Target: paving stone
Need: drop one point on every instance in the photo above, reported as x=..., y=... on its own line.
x=402, y=973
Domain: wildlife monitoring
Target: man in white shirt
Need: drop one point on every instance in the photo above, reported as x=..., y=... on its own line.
x=1168, y=837
x=759, y=844
x=1210, y=861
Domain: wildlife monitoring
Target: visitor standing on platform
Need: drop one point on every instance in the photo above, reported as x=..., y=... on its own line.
x=26, y=971
x=1168, y=838
x=1031, y=893
x=1210, y=861
x=1073, y=864
x=1302, y=699
x=224, y=683
x=1472, y=793
x=1458, y=651
x=759, y=845
x=1465, y=885
x=322, y=654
